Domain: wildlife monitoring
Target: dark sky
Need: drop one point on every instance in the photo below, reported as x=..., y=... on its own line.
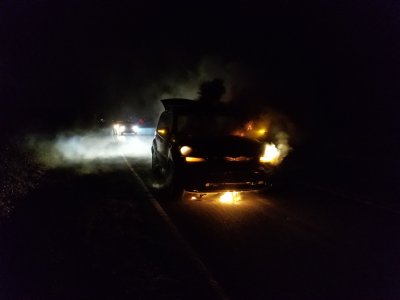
x=332, y=66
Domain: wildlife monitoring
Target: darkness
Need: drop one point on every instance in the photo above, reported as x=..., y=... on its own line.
x=331, y=66
x=76, y=217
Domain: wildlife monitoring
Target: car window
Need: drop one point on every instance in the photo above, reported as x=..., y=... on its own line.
x=165, y=121
x=206, y=124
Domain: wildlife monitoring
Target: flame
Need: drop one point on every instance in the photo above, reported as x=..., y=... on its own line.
x=271, y=155
x=229, y=198
x=253, y=129
x=249, y=126
x=264, y=130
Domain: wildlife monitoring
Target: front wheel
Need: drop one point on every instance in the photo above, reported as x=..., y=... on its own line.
x=155, y=166
x=169, y=182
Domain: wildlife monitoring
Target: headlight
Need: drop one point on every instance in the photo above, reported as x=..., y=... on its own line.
x=191, y=159
x=185, y=150
x=116, y=126
x=122, y=127
x=135, y=128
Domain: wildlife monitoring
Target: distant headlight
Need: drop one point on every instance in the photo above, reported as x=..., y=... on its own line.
x=135, y=128
x=191, y=159
x=185, y=150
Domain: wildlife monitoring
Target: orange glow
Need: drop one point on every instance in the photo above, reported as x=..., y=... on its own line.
x=249, y=126
x=162, y=131
x=271, y=155
x=194, y=159
x=186, y=150
x=256, y=129
x=268, y=128
x=261, y=131
x=230, y=198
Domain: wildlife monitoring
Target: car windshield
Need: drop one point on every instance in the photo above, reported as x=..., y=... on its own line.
x=206, y=123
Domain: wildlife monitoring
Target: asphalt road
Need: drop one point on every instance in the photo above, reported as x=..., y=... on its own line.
x=295, y=243
x=94, y=232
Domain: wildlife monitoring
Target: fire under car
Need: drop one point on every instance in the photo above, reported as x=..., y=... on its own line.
x=195, y=150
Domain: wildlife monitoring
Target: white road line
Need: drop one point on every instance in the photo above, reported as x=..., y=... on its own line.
x=187, y=248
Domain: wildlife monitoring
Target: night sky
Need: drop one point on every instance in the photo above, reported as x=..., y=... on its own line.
x=331, y=66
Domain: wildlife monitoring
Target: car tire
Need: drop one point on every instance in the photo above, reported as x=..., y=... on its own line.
x=169, y=183
x=155, y=166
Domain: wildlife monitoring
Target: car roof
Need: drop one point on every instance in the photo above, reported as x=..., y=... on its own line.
x=177, y=103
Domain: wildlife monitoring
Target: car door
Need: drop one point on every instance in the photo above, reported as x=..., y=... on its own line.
x=162, y=138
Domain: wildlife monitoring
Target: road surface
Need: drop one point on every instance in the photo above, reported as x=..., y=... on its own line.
x=97, y=230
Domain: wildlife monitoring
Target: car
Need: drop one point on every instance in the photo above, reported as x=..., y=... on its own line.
x=124, y=127
x=195, y=150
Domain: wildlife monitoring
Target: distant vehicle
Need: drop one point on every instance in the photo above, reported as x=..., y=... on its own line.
x=195, y=150
x=124, y=127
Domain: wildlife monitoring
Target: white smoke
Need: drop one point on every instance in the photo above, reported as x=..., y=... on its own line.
x=282, y=143
x=89, y=152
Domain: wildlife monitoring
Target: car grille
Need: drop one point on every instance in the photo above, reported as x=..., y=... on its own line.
x=237, y=159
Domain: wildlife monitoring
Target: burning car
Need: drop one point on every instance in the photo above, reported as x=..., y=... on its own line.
x=124, y=127
x=195, y=149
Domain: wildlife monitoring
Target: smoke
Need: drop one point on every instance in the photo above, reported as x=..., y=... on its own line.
x=268, y=126
x=243, y=89
x=280, y=130
x=97, y=151
x=282, y=143
x=140, y=94
x=89, y=152
x=237, y=78
x=183, y=82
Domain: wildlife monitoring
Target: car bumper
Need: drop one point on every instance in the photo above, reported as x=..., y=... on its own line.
x=197, y=180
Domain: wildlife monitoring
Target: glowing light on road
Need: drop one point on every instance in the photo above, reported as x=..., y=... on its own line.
x=230, y=198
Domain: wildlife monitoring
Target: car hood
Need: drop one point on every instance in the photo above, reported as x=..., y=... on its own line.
x=233, y=146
